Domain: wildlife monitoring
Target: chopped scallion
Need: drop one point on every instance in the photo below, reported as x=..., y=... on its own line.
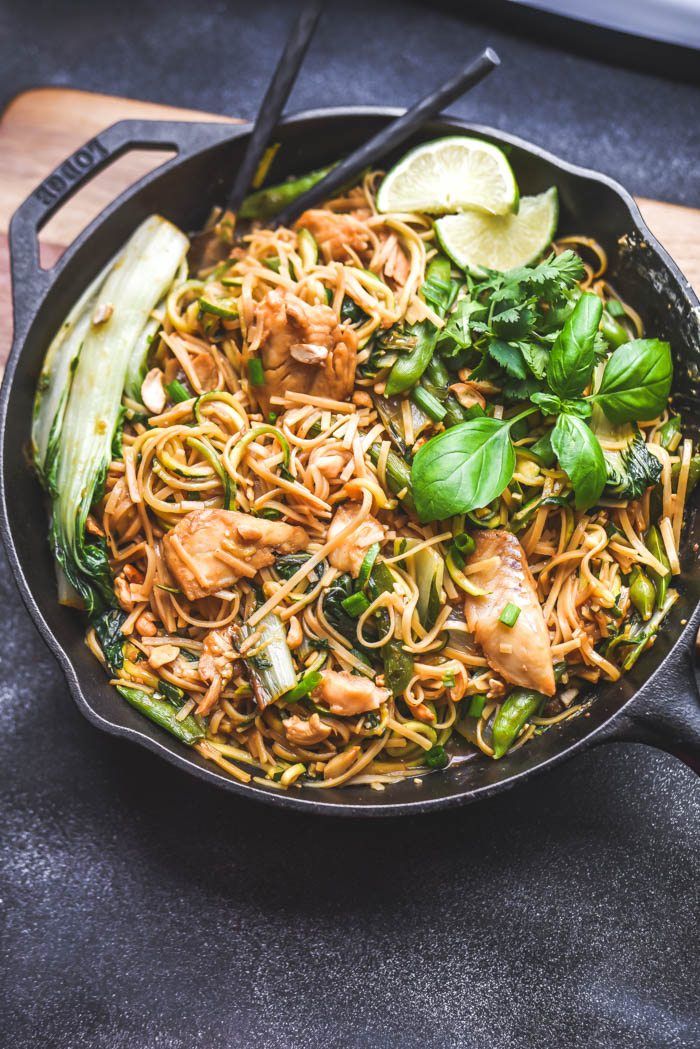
x=355, y=604
x=509, y=615
x=177, y=392
x=255, y=372
x=302, y=688
x=476, y=705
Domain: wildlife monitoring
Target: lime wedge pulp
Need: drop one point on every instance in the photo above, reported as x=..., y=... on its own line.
x=475, y=241
x=450, y=174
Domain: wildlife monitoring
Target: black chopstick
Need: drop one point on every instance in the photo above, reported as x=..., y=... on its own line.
x=275, y=97
x=392, y=136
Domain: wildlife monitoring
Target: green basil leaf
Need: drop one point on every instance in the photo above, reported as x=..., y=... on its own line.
x=578, y=407
x=549, y=403
x=462, y=469
x=572, y=358
x=581, y=458
x=636, y=382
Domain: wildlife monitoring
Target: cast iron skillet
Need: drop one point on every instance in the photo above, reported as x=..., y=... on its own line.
x=658, y=703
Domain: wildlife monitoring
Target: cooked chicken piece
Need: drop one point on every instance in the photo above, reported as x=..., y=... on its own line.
x=160, y=655
x=210, y=549
x=348, y=694
x=216, y=665
x=306, y=732
x=217, y=656
x=348, y=557
x=521, y=653
x=203, y=365
x=335, y=233
x=153, y=394
x=290, y=328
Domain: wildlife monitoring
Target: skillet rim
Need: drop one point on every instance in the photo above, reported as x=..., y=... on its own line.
x=168, y=750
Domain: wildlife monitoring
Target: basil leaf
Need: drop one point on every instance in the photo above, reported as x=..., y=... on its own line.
x=462, y=469
x=581, y=458
x=549, y=403
x=636, y=382
x=573, y=353
x=578, y=407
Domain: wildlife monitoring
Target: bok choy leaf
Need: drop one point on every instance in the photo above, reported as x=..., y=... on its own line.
x=134, y=285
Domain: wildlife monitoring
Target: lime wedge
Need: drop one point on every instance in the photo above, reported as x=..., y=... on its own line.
x=500, y=242
x=450, y=174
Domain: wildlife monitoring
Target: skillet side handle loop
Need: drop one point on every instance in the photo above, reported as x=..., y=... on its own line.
x=665, y=713
x=29, y=280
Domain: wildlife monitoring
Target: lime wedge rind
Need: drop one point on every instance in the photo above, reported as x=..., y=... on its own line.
x=476, y=241
x=451, y=174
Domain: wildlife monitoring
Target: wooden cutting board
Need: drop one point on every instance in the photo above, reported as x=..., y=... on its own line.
x=41, y=127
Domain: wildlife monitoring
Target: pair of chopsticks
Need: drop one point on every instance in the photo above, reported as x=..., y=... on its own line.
x=379, y=145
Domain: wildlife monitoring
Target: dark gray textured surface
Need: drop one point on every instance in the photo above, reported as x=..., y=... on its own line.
x=143, y=910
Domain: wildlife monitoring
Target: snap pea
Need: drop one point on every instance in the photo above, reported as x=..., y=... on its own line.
x=410, y=366
x=267, y=202
x=670, y=432
x=398, y=664
x=515, y=710
x=437, y=381
x=613, y=331
x=642, y=593
x=163, y=714
x=398, y=475
x=656, y=547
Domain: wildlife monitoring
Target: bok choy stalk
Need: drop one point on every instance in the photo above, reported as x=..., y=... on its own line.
x=269, y=662
x=53, y=386
x=135, y=283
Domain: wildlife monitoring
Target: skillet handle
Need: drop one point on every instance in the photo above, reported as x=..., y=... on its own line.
x=29, y=280
x=665, y=713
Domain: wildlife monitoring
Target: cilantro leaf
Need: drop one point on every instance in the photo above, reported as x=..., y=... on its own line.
x=536, y=358
x=509, y=357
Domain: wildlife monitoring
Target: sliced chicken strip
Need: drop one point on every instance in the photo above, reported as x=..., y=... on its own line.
x=304, y=349
x=349, y=556
x=210, y=549
x=521, y=654
x=347, y=694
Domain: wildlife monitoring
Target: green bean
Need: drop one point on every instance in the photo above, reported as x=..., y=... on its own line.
x=163, y=714
x=515, y=710
x=656, y=547
x=642, y=593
